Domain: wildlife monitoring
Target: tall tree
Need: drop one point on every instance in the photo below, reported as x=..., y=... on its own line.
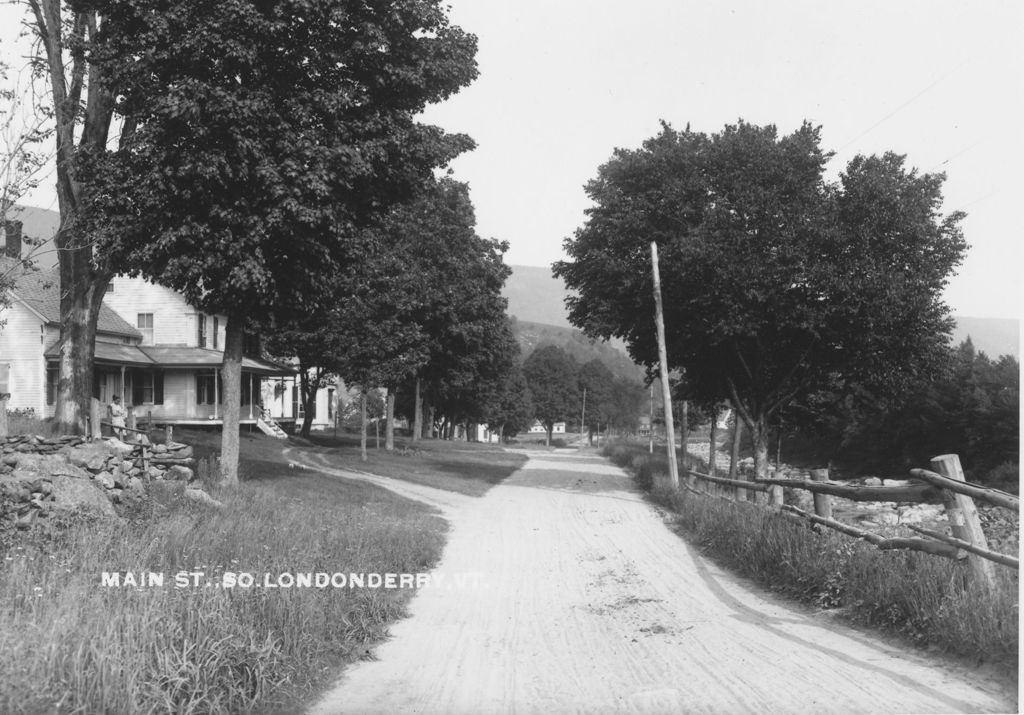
x=552, y=378
x=268, y=134
x=599, y=384
x=776, y=280
x=83, y=109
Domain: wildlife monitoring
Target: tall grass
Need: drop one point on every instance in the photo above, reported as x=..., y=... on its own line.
x=923, y=597
x=70, y=645
x=26, y=421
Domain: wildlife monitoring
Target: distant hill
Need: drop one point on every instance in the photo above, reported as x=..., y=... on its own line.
x=993, y=336
x=532, y=335
x=534, y=295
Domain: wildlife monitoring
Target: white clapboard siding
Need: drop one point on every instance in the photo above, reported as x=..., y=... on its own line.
x=174, y=320
x=22, y=340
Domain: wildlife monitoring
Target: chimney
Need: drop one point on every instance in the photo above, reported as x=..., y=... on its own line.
x=12, y=247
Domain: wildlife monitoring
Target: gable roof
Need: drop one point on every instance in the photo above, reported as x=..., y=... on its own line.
x=39, y=291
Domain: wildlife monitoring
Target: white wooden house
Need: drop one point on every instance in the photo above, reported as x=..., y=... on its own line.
x=538, y=428
x=152, y=348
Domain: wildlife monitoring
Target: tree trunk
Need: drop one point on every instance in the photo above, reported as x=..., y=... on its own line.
x=389, y=427
x=550, y=429
x=231, y=380
x=362, y=423
x=428, y=424
x=82, y=286
x=417, y=427
x=759, y=436
x=80, y=301
x=713, y=442
x=734, y=455
x=684, y=431
x=308, y=389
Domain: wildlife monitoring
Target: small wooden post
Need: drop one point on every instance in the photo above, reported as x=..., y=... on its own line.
x=3, y=413
x=132, y=422
x=95, y=428
x=169, y=434
x=963, y=519
x=822, y=502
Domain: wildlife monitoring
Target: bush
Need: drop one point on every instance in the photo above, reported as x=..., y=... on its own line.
x=1006, y=474
x=25, y=421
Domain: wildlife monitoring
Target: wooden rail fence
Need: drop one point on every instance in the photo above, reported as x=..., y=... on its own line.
x=944, y=484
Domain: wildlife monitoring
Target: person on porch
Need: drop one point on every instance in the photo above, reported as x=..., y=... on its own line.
x=117, y=414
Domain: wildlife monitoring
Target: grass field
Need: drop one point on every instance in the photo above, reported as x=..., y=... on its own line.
x=72, y=645
x=464, y=467
x=924, y=598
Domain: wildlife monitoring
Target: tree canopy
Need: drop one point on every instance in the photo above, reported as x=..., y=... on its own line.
x=775, y=280
x=551, y=375
x=268, y=135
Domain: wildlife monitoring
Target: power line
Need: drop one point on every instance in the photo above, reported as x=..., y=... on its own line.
x=905, y=104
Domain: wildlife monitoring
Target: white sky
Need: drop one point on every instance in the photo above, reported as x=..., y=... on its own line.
x=564, y=82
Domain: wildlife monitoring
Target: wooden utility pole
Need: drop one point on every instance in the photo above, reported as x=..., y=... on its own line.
x=666, y=390
x=583, y=414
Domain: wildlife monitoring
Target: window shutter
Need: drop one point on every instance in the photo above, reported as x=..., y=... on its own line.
x=137, y=393
x=158, y=387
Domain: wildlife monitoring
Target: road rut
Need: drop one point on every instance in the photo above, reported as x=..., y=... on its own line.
x=564, y=592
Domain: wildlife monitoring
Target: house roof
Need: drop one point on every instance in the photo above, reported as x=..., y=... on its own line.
x=39, y=291
x=165, y=357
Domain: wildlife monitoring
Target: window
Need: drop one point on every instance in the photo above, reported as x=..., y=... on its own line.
x=201, y=332
x=251, y=344
x=206, y=389
x=51, y=385
x=216, y=333
x=147, y=388
x=145, y=326
x=110, y=287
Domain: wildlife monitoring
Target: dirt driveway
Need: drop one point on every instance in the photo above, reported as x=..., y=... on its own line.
x=564, y=592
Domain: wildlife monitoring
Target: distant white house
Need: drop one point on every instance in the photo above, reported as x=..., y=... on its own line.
x=538, y=428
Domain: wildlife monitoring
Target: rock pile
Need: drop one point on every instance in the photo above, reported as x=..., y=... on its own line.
x=40, y=475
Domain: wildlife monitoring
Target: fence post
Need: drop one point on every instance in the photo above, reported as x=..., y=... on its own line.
x=168, y=434
x=95, y=428
x=132, y=422
x=822, y=502
x=963, y=518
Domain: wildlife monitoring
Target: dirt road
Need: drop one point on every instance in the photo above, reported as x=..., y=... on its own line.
x=565, y=593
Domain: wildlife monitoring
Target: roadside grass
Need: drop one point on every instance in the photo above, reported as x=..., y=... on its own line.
x=465, y=467
x=71, y=645
x=923, y=598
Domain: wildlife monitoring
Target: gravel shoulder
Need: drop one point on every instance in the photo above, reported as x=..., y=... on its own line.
x=562, y=591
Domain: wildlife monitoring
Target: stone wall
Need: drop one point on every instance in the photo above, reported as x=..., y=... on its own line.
x=43, y=475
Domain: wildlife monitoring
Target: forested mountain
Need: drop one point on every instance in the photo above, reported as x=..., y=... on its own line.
x=536, y=296
x=533, y=335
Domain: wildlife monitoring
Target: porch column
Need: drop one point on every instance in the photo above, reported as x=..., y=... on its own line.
x=252, y=398
x=124, y=397
x=216, y=391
